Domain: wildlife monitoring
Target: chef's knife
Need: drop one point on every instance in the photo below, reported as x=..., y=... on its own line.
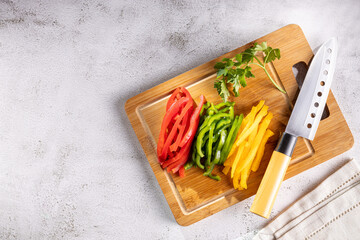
x=303, y=122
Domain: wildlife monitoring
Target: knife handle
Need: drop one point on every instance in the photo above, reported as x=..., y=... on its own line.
x=274, y=175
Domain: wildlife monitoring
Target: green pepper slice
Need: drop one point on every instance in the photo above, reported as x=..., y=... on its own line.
x=228, y=139
x=221, y=142
x=210, y=143
x=209, y=170
x=217, y=134
x=231, y=137
x=189, y=165
x=222, y=122
x=223, y=104
x=198, y=162
x=217, y=117
x=200, y=140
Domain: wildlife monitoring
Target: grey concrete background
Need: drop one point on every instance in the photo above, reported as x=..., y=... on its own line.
x=71, y=166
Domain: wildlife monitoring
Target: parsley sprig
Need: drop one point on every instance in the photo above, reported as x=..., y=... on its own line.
x=236, y=70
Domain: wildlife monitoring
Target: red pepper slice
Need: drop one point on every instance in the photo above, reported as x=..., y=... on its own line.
x=178, y=96
x=173, y=162
x=171, y=136
x=182, y=127
x=172, y=154
x=172, y=98
x=184, y=90
x=191, y=111
x=180, y=157
x=173, y=110
x=168, y=130
x=175, y=118
x=182, y=171
x=194, y=122
x=177, y=132
x=179, y=160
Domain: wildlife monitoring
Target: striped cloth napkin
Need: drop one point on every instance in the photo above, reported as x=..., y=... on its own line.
x=330, y=211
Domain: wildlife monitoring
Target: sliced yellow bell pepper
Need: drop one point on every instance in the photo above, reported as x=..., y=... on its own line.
x=248, y=149
x=254, y=149
x=226, y=170
x=246, y=123
x=259, y=155
x=237, y=158
x=244, y=176
x=229, y=161
x=237, y=174
x=256, y=122
x=241, y=165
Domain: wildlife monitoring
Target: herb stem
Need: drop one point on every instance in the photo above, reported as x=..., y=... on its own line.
x=262, y=65
x=267, y=73
x=257, y=65
x=277, y=86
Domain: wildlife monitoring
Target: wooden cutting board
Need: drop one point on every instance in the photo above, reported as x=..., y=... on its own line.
x=195, y=197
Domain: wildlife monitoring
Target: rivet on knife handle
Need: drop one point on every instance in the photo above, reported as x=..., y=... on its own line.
x=274, y=175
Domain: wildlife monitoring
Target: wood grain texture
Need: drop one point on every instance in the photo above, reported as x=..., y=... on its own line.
x=195, y=197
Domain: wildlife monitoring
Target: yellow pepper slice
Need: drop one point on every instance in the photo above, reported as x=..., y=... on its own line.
x=259, y=155
x=256, y=122
x=237, y=158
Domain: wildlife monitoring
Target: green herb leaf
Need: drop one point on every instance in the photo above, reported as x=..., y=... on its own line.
x=271, y=54
x=235, y=70
x=248, y=55
x=263, y=46
x=257, y=47
x=236, y=86
x=221, y=87
x=238, y=58
x=222, y=72
x=277, y=53
x=231, y=72
x=248, y=72
x=219, y=65
x=242, y=79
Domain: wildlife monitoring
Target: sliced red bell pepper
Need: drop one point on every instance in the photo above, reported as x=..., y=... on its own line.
x=171, y=136
x=186, y=92
x=194, y=122
x=173, y=110
x=168, y=130
x=171, y=155
x=177, y=162
x=182, y=128
x=179, y=95
x=175, y=118
x=178, y=130
x=182, y=156
x=172, y=98
x=173, y=162
x=182, y=171
x=180, y=159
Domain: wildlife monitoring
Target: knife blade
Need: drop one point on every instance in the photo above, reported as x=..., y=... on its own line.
x=304, y=121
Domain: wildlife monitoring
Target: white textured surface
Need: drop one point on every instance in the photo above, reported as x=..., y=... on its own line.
x=71, y=166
